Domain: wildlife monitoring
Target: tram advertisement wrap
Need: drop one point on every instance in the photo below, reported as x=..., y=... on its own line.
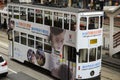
x=51, y=60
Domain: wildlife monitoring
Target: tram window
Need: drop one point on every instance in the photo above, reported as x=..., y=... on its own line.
x=39, y=43
x=30, y=15
x=93, y=23
x=101, y=21
x=58, y=18
x=16, y=36
x=71, y=54
x=83, y=23
x=47, y=46
x=73, y=22
x=99, y=52
x=92, y=54
x=16, y=12
x=22, y=13
x=31, y=41
x=39, y=16
x=66, y=21
x=10, y=11
x=83, y=56
x=48, y=18
x=23, y=38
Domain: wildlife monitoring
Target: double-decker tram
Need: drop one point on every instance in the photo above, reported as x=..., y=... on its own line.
x=65, y=41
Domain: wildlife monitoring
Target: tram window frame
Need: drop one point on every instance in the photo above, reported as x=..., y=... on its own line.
x=47, y=46
x=10, y=10
x=92, y=54
x=39, y=43
x=68, y=54
x=23, y=38
x=83, y=56
x=73, y=22
x=83, y=23
x=31, y=14
x=23, y=14
x=16, y=12
x=31, y=40
x=48, y=18
x=93, y=22
x=66, y=21
x=101, y=21
x=16, y=36
x=99, y=49
x=58, y=19
x=39, y=16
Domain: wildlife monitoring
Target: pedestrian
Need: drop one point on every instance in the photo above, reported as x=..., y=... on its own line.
x=5, y=24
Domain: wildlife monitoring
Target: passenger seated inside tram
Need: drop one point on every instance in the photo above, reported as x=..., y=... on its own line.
x=91, y=25
x=82, y=27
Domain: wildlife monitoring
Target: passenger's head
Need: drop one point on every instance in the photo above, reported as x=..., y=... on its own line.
x=57, y=38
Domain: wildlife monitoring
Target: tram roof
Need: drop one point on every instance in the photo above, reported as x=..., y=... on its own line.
x=66, y=9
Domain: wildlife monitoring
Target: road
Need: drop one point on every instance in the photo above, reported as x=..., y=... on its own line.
x=18, y=71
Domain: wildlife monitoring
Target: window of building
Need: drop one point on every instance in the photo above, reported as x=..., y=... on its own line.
x=10, y=11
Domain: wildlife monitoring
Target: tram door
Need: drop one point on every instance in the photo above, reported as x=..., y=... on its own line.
x=70, y=57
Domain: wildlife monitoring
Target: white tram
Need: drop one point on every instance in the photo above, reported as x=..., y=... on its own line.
x=65, y=41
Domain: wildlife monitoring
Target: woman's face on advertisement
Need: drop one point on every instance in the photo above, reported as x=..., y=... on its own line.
x=57, y=41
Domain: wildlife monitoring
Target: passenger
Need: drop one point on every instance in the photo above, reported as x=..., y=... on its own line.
x=82, y=27
x=91, y=25
x=5, y=24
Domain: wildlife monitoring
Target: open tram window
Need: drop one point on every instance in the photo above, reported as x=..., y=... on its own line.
x=23, y=38
x=58, y=18
x=93, y=23
x=83, y=23
x=92, y=54
x=30, y=15
x=39, y=16
x=16, y=36
x=23, y=13
x=66, y=21
x=39, y=43
x=99, y=52
x=73, y=22
x=48, y=18
x=16, y=12
x=31, y=41
x=83, y=56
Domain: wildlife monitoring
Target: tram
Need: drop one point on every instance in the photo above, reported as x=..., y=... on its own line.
x=65, y=41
